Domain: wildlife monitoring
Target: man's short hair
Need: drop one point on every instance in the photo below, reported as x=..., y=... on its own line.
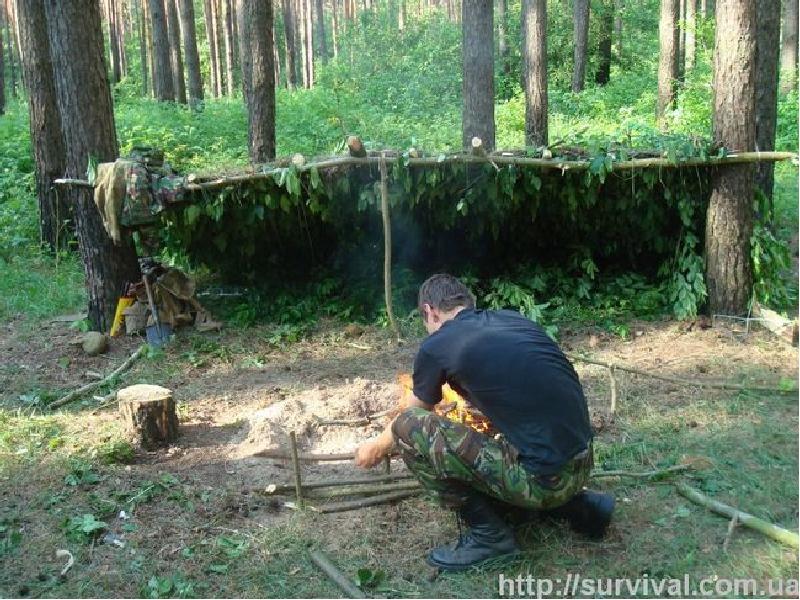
x=444, y=292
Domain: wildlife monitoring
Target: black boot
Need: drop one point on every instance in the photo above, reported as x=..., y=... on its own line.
x=588, y=513
x=488, y=537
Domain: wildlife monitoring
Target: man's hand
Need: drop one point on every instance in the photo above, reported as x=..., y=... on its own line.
x=370, y=454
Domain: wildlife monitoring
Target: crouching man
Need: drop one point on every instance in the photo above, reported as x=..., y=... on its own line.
x=511, y=371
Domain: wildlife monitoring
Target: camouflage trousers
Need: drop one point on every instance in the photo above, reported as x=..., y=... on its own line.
x=448, y=457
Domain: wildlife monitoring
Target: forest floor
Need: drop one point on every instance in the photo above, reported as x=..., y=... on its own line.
x=196, y=524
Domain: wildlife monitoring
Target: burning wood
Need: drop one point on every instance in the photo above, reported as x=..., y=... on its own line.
x=452, y=407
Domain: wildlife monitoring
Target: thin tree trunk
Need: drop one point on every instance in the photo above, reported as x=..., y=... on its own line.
x=323, y=43
x=789, y=47
x=502, y=37
x=87, y=121
x=123, y=20
x=690, y=29
x=261, y=104
x=603, y=74
x=12, y=63
x=113, y=42
x=148, y=36
x=335, y=28
x=309, y=29
x=143, y=47
x=215, y=27
x=2, y=68
x=729, y=224
x=276, y=55
x=163, y=82
x=619, y=7
x=534, y=53
x=174, y=29
x=55, y=212
x=768, y=32
x=477, y=32
x=581, y=40
x=401, y=15
x=668, y=57
x=290, y=50
x=245, y=58
x=212, y=51
x=707, y=8
x=192, y=55
x=229, y=47
x=300, y=37
x=681, y=38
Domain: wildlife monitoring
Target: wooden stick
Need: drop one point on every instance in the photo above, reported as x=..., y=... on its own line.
x=432, y=161
x=685, y=382
x=280, y=453
x=364, y=502
x=298, y=485
x=641, y=474
x=367, y=490
x=96, y=384
x=779, y=534
x=387, y=464
x=324, y=563
x=387, y=246
x=278, y=488
x=613, y=379
x=729, y=535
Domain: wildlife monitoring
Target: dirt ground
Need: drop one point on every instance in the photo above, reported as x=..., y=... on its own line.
x=238, y=395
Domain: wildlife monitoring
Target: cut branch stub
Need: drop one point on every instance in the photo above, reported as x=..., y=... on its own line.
x=149, y=415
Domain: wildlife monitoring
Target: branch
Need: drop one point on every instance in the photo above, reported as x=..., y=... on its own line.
x=324, y=563
x=641, y=474
x=96, y=384
x=279, y=453
x=686, y=382
x=364, y=502
x=779, y=534
x=273, y=488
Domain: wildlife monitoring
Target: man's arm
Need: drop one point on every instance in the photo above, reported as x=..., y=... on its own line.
x=371, y=453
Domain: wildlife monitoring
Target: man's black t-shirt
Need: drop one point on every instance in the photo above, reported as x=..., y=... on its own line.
x=508, y=368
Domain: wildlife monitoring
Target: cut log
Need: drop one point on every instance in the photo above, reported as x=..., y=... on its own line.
x=148, y=414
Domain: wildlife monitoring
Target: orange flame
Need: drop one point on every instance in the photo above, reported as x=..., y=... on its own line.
x=453, y=406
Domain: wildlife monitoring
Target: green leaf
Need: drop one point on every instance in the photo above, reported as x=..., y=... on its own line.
x=191, y=214
x=316, y=182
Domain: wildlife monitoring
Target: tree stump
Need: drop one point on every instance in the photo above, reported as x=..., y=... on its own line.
x=149, y=416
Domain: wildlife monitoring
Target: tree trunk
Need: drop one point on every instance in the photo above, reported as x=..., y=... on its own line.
x=2, y=70
x=163, y=82
x=300, y=37
x=143, y=47
x=619, y=7
x=276, y=55
x=113, y=41
x=335, y=28
x=768, y=32
x=245, y=58
x=192, y=56
x=212, y=50
x=502, y=37
x=12, y=66
x=477, y=32
x=122, y=30
x=668, y=57
x=707, y=8
x=148, y=413
x=534, y=53
x=45, y=124
x=290, y=49
x=789, y=47
x=261, y=102
x=581, y=40
x=229, y=47
x=401, y=15
x=173, y=26
x=87, y=121
x=690, y=29
x=309, y=29
x=603, y=74
x=323, y=43
x=681, y=38
x=218, y=62
x=729, y=222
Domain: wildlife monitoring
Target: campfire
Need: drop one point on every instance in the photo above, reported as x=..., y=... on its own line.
x=452, y=406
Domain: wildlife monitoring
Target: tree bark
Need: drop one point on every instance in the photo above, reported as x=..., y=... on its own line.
x=229, y=47
x=401, y=15
x=192, y=56
x=143, y=54
x=245, y=58
x=163, y=82
x=309, y=29
x=477, y=31
x=12, y=63
x=87, y=121
x=323, y=43
x=113, y=41
x=729, y=219
x=668, y=57
x=681, y=38
x=691, y=41
x=148, y=413
x=789, y=47
x=603, y=74
x=335, y=27
x=300, y=37
x=215, y=28
x=534, y=53
x=768, y=31
x=619, y=7
x=261, y=103
x=173, y=26
x=212, y=50
x=45, y=124
x=2, y=69
x=581, y=40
